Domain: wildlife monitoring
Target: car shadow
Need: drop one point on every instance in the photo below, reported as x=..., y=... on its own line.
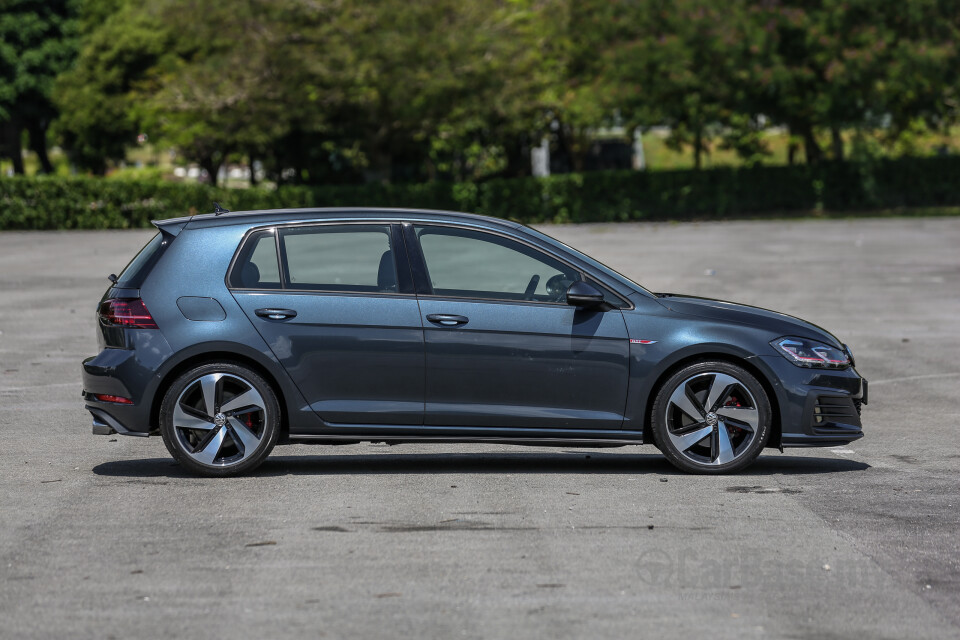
x=564, y=462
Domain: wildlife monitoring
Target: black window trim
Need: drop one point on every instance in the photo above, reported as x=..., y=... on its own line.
x=425, y=289
x=250, y=236
x=404, y=277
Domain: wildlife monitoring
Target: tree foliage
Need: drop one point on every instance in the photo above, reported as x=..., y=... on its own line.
x=37, y=43
x=341, y=91
x=322, y=90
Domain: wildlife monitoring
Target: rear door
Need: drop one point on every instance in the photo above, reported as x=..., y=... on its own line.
x=335, y=302
x=503, y=349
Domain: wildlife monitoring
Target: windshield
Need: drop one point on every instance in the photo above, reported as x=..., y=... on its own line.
x=599, y=266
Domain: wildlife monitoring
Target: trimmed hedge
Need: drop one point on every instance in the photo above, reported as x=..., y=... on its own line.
x=91, y=203
x=96, y=203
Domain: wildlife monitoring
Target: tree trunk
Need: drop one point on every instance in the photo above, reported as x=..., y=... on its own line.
x=518, y=157
x=698, y=148
x=253, y=172
x=836, y=139
x=38, y=142
x=212, y=168
x=811, y=148
x=10, y=144
x=573, y=144
x=380, y=169
x=791, y=147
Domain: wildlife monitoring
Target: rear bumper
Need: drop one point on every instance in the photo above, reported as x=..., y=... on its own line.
x=106, y=425
x=119, y=372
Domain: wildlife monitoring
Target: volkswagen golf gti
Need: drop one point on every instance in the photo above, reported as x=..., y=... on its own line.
x=232, y=332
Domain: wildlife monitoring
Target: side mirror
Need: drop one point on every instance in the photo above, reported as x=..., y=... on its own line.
x=585, y=295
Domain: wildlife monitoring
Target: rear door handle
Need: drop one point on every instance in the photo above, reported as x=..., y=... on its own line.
x=447, y=319
x=276, y=314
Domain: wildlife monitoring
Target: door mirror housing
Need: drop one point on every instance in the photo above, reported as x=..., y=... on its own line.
x=584, y=295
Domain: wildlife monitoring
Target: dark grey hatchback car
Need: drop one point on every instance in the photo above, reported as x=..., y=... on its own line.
x=230, y=333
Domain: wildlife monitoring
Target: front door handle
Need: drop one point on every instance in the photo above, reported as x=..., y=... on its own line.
x=447, y=319
x=276, y=314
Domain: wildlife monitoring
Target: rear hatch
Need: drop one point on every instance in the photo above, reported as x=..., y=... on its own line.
x=124, y=292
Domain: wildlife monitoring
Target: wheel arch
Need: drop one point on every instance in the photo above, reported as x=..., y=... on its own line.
x=744, y=361
x=221, y=353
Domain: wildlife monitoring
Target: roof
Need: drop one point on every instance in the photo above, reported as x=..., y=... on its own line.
x=267, y=216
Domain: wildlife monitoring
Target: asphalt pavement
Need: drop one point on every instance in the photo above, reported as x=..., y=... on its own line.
x=105, y=537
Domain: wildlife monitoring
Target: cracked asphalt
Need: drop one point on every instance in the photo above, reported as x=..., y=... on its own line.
x=104, y=537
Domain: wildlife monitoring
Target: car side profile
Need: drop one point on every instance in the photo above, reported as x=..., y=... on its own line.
x=232, y=332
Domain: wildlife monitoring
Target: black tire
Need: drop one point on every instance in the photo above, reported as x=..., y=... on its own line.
x=224, y=443
x=741, y=408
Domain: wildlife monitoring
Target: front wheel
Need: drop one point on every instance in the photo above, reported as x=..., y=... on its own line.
x=220, y=419
x=711, y=417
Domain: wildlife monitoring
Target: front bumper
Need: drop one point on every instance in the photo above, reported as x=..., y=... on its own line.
x=818, y=407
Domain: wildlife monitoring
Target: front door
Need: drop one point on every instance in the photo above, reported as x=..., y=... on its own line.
x=340, y=315
x=503, y=349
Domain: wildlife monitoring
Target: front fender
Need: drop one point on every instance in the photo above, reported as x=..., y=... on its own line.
x=674, y=340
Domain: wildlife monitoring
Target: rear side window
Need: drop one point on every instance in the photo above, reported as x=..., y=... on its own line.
x=136, y=272
x=257, y=266
x=339, y=258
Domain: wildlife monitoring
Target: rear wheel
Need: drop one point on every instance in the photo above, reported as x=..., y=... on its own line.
x=220, y=419
x=711, y=417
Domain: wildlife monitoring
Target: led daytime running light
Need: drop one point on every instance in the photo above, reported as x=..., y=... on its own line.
x=809, y=353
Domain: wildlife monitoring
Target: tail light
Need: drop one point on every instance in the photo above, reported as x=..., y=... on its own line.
x=126, y=312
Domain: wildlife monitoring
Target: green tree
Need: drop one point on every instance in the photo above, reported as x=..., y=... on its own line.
x=37, y=43
x=829, y=65
x=99, y=96
x=231, y=83
x=672, y=63
x=354, y=90
x=450, y=85
x=391, y=90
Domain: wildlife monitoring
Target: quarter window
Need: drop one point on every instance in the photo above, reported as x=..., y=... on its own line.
x=340, y=258
x=257, y=266
x=472, y=264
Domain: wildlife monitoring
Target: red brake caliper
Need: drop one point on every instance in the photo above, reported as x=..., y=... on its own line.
x=732, y=402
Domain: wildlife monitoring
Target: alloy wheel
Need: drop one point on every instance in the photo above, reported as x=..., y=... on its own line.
x=712, y=418
x=219, y=419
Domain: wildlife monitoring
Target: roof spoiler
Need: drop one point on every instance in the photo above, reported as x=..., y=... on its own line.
x=171, y=227
x=174, y=226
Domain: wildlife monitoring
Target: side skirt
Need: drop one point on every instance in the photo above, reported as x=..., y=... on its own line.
x=550, y=439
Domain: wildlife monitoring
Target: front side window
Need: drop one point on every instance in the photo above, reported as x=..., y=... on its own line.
x=339, y=258
x=471, y=264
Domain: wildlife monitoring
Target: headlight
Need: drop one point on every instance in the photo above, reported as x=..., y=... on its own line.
x=810, y=353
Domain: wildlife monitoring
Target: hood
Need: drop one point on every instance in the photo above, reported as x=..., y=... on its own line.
x=778, y=323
